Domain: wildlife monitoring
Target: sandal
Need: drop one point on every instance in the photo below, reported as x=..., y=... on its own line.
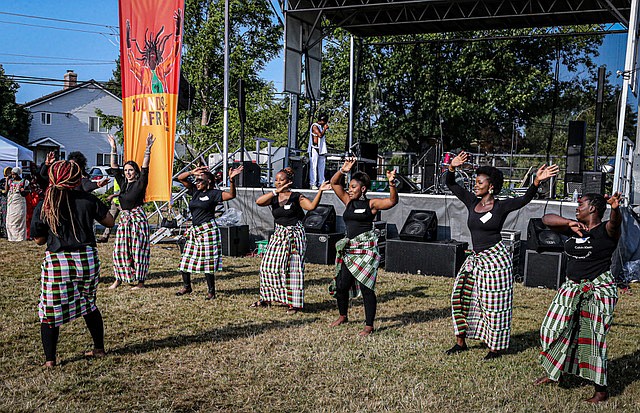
x=49, y=364
x=457, y=348
x=260, y=303
x=292, y=310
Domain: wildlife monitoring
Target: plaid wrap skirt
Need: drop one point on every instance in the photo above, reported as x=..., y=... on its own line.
x=203, y=249
x=482, y=297
x=574, y=331
x=361, y=257
x=282, y=266
x=132, y=248
x=68, y=285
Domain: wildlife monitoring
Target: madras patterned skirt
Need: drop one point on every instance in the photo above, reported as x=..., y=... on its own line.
x=132, y=248
x=362, y=259
x=69, y=282
x=574, y=331
x=282, y=267
x=482, y=297
x=203, y=249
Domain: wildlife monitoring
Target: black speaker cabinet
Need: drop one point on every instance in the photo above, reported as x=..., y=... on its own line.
x=235, y=240
x=321, y=248
x=577, y=133
x=250, y=176
x=380, y=228
x=300, y=173
x=544, y=269
x=429, y=258
x=593, y=183
x=575, y=159
x=541, y=238
x=405, y=185
x=320, y=220
x=420, y=226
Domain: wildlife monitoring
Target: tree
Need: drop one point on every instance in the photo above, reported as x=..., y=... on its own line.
x=14, y=119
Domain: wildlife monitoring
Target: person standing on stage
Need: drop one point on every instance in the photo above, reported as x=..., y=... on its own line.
x=357, y=257
x=282, y=266
x=482, y=297
x=318, y=150
x=71, y=268
x=203, y=249
x=574, y=331
x=132, y=248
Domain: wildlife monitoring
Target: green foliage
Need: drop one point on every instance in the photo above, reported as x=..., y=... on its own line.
x=14, y=119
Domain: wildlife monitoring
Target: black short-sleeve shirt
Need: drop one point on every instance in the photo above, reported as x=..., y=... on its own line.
x=131, y=193
x=289, y=213
x=203, y=205
x=589, y=256
x=85, y=208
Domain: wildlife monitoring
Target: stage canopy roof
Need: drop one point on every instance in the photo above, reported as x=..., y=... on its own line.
x=366, y=18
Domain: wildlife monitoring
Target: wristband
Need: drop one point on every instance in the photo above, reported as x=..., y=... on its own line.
x=274, y=193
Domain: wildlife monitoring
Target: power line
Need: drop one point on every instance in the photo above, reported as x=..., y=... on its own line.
x=57, y=20
x=56, y=57
x=58, y=63
x=58, y=28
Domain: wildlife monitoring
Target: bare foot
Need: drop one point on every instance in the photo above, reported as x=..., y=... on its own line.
x=183, y=291
x=366, y=331
x=543, y=380
x=115, y=284
x=340, y=320
x=138, y=287
x=95, y=353
x=598, y=397
x=49, y=364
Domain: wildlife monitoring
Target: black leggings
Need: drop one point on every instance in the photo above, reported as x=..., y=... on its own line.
x=210, y=277
x=344, y=282
x=50, y=334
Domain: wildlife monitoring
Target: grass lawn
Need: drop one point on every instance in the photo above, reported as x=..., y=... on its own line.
x=184, y=354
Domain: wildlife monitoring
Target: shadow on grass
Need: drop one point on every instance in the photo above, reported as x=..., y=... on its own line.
x=523, y=341
x=415, y=317
x=215, y=335
x=418, y=292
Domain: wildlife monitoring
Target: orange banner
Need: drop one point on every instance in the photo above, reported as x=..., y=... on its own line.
x=150, y=46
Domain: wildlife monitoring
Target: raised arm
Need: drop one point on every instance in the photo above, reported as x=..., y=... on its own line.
x=265, y=199
x=147, y=151
x=544, y=173
x=231, y=193
x=380, y=204
x=305, y=203
x=450, y=179
x=563, y=225
x=336, y=180
x=615, y=218
x=183, y=177
x=114, y=151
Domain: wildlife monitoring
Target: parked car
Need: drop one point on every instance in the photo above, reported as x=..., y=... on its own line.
x=98, y=173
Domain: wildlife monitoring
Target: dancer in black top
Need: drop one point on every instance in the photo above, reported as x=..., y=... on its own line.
x=282, y=266
x=203, y=249
x=482, y=296
x=357, y=256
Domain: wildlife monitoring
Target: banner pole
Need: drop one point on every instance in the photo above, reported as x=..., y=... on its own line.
x=225, y=121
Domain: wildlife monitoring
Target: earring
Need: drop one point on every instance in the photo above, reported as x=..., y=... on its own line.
x=491, y=191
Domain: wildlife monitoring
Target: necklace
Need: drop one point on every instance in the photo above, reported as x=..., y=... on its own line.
x=484, y=203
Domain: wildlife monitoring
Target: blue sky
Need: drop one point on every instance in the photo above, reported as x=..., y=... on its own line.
x=89, y=50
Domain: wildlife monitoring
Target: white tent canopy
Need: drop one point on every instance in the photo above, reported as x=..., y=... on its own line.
x=11, y=154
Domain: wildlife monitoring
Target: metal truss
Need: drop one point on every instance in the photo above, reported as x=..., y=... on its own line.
x=388, y=17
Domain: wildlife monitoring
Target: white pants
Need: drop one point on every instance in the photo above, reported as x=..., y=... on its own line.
x=317, y=165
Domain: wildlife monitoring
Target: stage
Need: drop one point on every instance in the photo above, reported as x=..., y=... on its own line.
x=451, y=213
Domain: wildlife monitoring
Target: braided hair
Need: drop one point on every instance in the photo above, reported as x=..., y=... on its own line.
x=63, y=177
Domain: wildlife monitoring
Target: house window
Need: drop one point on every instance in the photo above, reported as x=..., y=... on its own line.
x=104, y=159
x=63, y=155
x=95, y=125
x=45, y=118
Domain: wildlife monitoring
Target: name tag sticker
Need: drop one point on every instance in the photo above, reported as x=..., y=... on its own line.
x=581, y=240
x=288, y=206
x=204, y=198
x=486, y=217
x=359, y=210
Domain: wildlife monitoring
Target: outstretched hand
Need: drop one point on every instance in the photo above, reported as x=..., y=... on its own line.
x=51, y=158
x=112, y=141
x=150, y=140
x=177, y=16
x=546, y=172
x=460, y=159
x=577, y=227
x=391, y=175
x=235, y=172
x=325, y=186
x=348, y=164
x=284, y=187
x=615, y=200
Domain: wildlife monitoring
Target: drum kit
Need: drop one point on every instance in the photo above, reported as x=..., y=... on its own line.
x=465, y=174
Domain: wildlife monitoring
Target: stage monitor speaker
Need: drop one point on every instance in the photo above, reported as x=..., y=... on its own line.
x=250, y=176
x=593, y=183
x=571, y=183
x=420, y=226
x=405, y=185
x=320, y=220
x=321, y=248
x=577, y=133
x=429, y=258
x=235, y=240
x=541, y=238
x=545, y=269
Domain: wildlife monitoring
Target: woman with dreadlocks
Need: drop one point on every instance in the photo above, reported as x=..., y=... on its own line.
x=71, y=268
x=203, y=249
x=132, y=247
x=282, y=267
x=357, y=256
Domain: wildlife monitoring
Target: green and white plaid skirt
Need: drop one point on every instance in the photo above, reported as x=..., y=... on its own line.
x=574, y=331
x=282, y=266
x=361, y=257
x=482, y=297
x=69, y=283
x=203, y=249
x=132, y=248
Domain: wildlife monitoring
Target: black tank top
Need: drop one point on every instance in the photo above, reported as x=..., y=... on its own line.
x=358, y=217
x=288, y=214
